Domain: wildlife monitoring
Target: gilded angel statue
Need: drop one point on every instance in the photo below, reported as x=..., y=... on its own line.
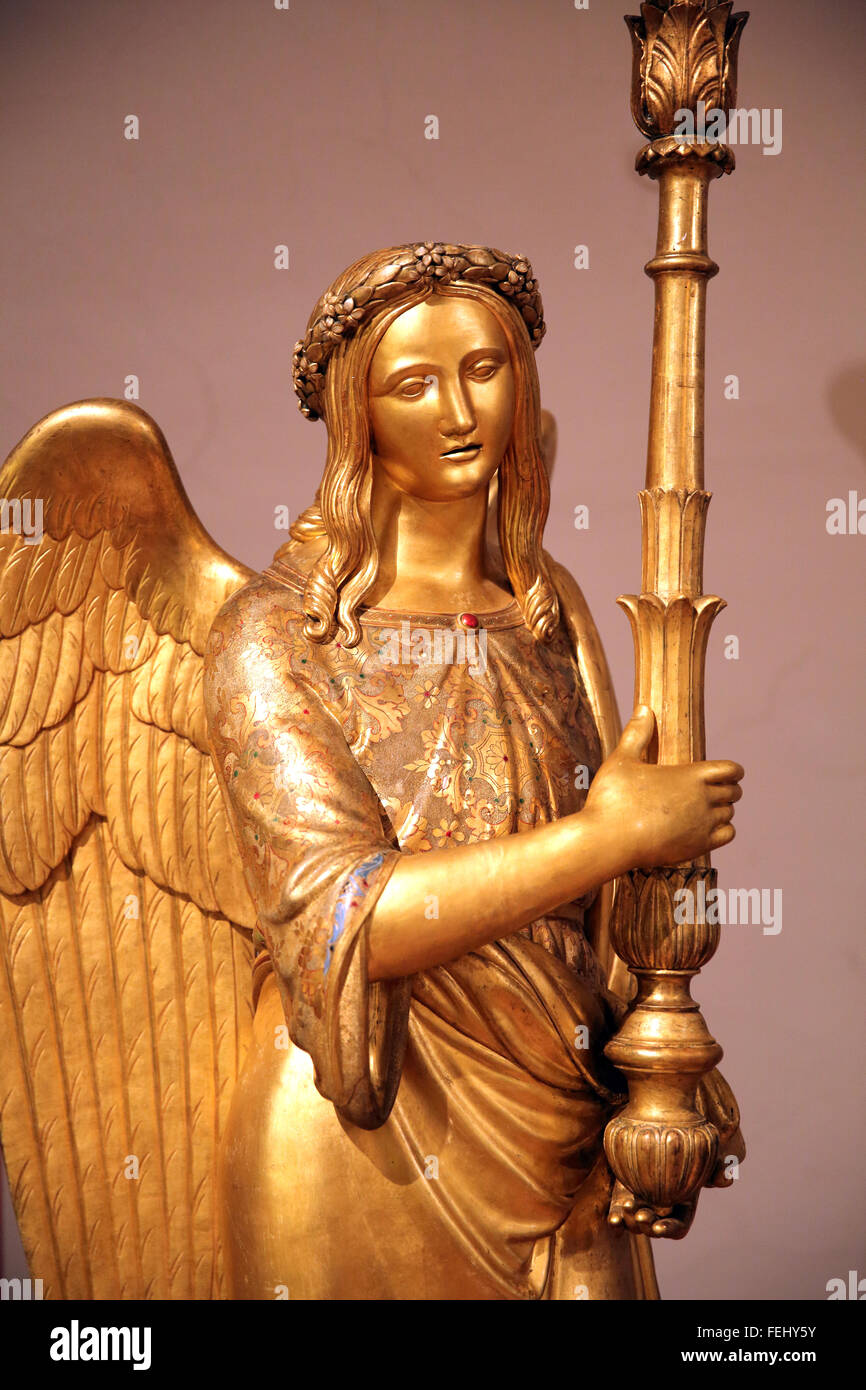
x=306, y=972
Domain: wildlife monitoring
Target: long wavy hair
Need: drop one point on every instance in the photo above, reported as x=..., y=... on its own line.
x=348, y=566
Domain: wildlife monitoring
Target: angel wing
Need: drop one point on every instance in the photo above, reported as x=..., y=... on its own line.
x=125, y=922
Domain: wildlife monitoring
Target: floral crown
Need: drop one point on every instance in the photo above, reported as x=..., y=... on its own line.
x=338, y=317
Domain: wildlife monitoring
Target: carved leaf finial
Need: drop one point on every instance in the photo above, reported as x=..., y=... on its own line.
x=684, y=51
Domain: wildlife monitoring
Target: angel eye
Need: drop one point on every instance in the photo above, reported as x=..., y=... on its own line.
x=412, y=390
x=484, y=370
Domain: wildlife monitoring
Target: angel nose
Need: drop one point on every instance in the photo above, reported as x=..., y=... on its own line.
x=458, y=417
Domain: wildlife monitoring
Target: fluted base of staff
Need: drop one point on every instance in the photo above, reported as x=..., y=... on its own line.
x=660, y=1146
x=661, y=1164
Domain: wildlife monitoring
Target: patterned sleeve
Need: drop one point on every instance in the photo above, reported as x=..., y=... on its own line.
x=314, y=852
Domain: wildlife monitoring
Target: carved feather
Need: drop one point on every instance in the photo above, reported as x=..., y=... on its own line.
x=125, y=922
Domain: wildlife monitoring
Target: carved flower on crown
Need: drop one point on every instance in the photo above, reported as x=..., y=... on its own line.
x=432, y=259
x=339, y=318
x=306, y=374
x=436, y=262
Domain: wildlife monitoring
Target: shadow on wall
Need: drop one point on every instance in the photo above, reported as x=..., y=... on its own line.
x=12, y=1262
x=846, y=397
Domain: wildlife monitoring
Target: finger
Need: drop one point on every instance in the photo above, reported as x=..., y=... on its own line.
x=721, y=770
x=644, y=1218
x=722, y=836
x=638, y=732
x=669, y=1227
x=619, y=1197
x=720, y=794
x=662, y=1228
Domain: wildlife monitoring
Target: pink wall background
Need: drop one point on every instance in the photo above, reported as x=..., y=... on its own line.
x=306, y=127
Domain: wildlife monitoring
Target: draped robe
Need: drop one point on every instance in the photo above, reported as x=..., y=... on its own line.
x=438, y=1136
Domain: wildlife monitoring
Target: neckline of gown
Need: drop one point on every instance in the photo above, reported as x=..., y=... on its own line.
x=509, y=616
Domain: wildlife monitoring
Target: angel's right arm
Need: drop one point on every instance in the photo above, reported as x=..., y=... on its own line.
x=485, y=891
x=637, y=815
x=308, y=818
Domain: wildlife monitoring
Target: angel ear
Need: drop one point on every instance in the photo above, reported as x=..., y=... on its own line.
x=125, y=921
x=549, y=439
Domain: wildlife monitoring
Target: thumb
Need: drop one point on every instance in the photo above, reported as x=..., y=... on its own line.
x=638, y=732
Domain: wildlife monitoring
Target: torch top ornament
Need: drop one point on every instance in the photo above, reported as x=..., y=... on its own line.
x=684, y=51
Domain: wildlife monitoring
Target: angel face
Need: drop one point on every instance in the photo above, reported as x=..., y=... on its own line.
x=441, y=397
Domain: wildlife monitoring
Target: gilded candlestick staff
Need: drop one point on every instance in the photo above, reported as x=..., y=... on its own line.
x=307, y=973
x=661, y=1146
